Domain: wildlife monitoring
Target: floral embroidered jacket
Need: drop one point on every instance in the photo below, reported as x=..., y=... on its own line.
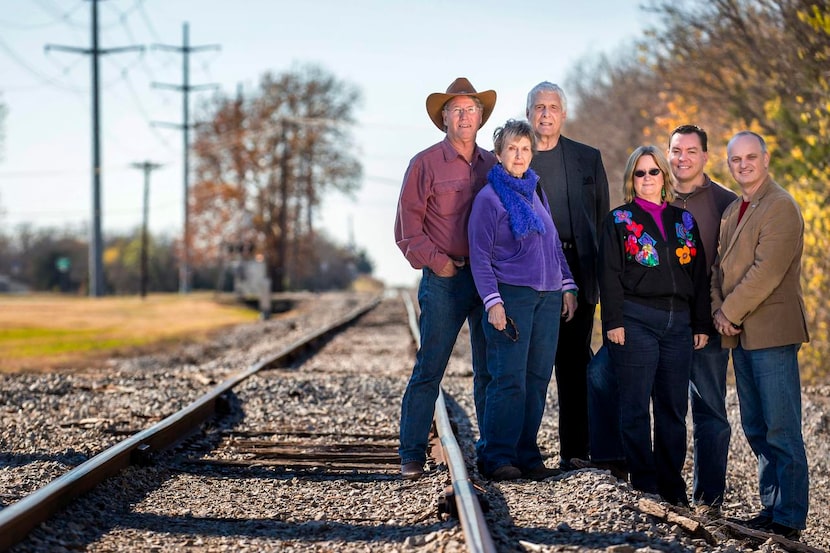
x=638, y=265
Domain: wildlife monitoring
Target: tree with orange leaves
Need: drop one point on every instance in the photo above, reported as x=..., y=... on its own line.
x=265, y=161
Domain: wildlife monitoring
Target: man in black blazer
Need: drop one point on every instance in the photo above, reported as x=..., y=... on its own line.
x=574, y=180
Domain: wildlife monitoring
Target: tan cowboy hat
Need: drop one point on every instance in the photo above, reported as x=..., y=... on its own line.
x=459, y=87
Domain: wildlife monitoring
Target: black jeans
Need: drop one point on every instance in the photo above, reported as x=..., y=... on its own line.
x=573, y=354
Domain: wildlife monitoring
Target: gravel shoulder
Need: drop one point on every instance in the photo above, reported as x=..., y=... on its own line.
x=49, y=423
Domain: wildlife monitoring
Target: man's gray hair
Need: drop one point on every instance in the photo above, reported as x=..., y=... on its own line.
x=757, y=136
x=546, y=86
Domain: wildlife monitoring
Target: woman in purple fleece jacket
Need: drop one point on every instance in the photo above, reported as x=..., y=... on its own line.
x=523, y=278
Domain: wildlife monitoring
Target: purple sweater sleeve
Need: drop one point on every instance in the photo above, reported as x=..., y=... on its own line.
x=484, y=219
x=536, y=261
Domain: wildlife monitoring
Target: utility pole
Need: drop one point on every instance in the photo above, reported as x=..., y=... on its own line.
x=148, y=167
x=185, y=87
x=96, y=267
x=351, y=243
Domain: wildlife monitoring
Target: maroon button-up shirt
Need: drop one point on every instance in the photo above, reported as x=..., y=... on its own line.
x=435, y=202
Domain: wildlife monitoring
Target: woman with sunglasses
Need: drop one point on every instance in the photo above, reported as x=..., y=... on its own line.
x=654, y=302
x=521, y=273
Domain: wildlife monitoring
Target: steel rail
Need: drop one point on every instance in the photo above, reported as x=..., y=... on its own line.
x=21, y=517
x=476, y=533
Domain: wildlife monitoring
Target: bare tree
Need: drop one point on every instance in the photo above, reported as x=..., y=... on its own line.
x=264, y=163
x=612, y=105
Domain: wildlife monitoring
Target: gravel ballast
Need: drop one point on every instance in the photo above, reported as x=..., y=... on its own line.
x=50, y=423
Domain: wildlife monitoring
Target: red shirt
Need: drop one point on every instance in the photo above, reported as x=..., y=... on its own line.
x=435, y=202
x=742, y=210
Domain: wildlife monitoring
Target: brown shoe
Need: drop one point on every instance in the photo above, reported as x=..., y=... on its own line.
x=540, y=472
x=506, y=472
x=412, y=470
x=615, y=468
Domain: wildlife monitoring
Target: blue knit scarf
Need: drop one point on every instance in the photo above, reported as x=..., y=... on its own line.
x=516, y=195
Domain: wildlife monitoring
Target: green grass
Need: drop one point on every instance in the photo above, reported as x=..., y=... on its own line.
x=46, y=332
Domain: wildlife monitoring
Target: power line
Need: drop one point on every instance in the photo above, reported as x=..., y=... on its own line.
x=145, y=115
x=59, y=14
x=122, y=17
x=58, y=19
x=147, y=21
x=40, y=77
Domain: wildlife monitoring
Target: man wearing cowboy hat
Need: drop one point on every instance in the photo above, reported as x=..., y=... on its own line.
x=431, y=231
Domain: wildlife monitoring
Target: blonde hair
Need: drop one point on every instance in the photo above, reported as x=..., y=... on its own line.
x=662, y=164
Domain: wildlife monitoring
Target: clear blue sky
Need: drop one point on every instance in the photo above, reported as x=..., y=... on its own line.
x=396, y=52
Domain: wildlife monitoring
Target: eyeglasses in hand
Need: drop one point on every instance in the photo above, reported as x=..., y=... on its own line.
x=511, y=330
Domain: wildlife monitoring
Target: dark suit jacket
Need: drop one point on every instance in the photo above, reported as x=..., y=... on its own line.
x=588, y=204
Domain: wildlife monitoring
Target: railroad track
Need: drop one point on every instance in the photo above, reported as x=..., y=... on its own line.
x=315, y=446
x=303, y=458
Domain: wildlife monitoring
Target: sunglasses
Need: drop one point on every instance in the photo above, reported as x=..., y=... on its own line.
x=639, y=173
x=511, y=331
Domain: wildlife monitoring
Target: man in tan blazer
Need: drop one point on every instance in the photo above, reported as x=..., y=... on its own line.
x=759, y=311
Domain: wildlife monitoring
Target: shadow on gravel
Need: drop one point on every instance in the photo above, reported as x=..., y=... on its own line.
x=69, y=458
x=56, y=463
x=111, y=505
x=593, y=540
x=306, y=531
x=511, y=538
x=109, y=508
x=271, y=473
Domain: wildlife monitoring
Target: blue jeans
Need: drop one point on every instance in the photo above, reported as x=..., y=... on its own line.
x=711, y=429
x=769, y=392
x=604, y=410
x=653, y=368
x=712, y=432
x=446, y=302
x=520, y=373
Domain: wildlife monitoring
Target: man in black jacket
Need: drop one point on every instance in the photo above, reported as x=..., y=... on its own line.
x=573, y=177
